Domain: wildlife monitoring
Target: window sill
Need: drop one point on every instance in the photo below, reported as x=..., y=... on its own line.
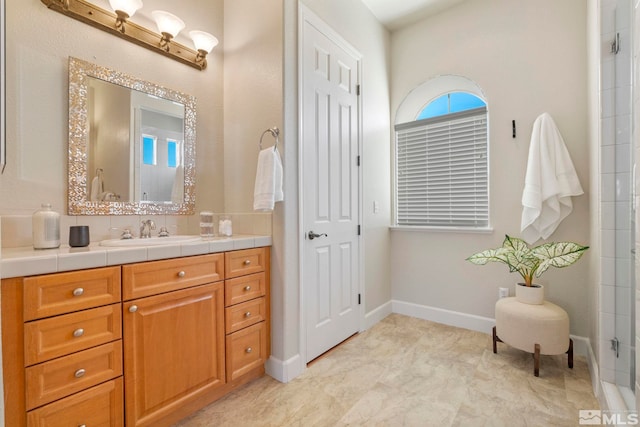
x=483, y=230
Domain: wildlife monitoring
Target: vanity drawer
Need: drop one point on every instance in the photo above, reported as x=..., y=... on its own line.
x=61, y=377
x=244, y=288
x=46, y=339
x=101, y=405
x=246, y=350
x=246, y=314
x=59, y=293
x=156, y=277
x=246, y=261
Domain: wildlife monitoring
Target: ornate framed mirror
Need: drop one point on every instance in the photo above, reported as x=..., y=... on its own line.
x=131, y=145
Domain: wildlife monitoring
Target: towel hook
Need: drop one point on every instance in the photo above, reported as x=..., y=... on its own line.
x=275, y=132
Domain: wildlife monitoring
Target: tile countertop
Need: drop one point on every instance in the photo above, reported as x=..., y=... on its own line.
x=26, y=261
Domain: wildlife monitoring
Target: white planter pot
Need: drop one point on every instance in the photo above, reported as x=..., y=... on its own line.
x=530, y=294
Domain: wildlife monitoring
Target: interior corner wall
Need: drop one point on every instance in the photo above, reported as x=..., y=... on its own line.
x=529, y=57
x=39, y=42
x=594, y=253
x=253, y=88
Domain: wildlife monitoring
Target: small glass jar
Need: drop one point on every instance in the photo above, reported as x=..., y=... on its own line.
x=46, y=228
x=206, y=224
x=225, y=226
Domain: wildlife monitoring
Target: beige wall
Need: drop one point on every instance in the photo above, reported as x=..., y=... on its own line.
x=39, y=42
x=252, y=92
x=528, y=57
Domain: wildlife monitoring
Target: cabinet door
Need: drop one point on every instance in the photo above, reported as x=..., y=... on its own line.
x=174, y=351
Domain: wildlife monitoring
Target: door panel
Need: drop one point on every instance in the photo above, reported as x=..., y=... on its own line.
x=330, y=188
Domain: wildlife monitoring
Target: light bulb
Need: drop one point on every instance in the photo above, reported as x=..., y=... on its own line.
x=167, y=22
x=203, y=40
x=127, y=6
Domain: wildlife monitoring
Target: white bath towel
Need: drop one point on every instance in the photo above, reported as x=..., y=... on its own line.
x=550, y=182
x=268, y=185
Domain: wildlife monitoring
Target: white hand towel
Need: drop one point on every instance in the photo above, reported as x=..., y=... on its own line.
x=177, y=191
x=550, y=182
x=97, y=188
x=268, y=185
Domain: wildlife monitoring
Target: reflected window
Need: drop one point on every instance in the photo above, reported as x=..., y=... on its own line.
x=149, y=150
x=172, y=153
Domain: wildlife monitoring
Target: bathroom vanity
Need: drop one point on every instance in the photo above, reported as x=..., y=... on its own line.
x=144, y=343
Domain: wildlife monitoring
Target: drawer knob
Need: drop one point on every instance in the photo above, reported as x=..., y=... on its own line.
x=133, y=309
x=80, y=373
x=77, y=292
x=181, y=274
x=247, y=262
x=247, y=288
x=78, y=332
x=248, y=350
x=82, y=425
x=247, y=314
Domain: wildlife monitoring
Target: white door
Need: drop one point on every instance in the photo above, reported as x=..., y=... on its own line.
x=330, y=188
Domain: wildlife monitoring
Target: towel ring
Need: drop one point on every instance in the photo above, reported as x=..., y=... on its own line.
x=275, y=132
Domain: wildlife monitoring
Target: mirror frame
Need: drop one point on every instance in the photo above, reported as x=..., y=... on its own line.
x=79, y=203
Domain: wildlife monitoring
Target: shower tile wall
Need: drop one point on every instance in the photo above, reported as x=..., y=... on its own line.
x=616, y=312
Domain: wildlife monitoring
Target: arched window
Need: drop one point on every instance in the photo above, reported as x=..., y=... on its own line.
x=442, y=175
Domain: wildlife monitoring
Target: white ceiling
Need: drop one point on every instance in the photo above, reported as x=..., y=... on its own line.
x=395, y=14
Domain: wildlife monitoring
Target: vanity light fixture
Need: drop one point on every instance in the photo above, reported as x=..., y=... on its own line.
x=168, y=25
x=204, y=43
x=124, y=10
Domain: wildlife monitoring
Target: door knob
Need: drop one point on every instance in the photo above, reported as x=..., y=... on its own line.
x=313, y=235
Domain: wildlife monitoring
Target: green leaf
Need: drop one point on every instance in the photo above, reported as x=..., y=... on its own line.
x=519, y=256
x=489, y=255
x=557, y=255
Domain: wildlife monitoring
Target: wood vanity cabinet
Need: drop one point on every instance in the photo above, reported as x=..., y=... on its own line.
x=62, y=349
x=174, y=341
x=142, y=344
x=246, y=311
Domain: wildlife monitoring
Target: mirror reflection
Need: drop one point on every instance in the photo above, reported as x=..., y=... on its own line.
x=131, y=144
x=136, y=141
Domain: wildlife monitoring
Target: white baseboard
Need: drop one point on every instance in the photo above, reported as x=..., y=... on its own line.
x=285, y=371
x=582, y=347
x=447, y=317
x=377, y=314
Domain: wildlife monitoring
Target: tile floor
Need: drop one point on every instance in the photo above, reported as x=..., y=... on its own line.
x=411, y=372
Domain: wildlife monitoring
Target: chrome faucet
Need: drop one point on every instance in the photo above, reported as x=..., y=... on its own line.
x=146, y=227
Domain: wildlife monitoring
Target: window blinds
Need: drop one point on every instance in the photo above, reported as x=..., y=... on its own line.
x=442, y=171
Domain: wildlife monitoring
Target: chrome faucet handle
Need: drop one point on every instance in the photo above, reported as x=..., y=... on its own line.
x=126, y=234
x=163, y=232
x=146, y=227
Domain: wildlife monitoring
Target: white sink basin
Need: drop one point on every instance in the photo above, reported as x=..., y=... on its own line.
x=152, y=241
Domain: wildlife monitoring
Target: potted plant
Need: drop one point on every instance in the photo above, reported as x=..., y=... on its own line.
x=530, y=262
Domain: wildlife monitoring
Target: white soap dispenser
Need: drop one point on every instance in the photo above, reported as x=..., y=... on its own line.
x=46, y=228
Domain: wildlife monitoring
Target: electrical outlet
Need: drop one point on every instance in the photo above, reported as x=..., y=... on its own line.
x=503, y=292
